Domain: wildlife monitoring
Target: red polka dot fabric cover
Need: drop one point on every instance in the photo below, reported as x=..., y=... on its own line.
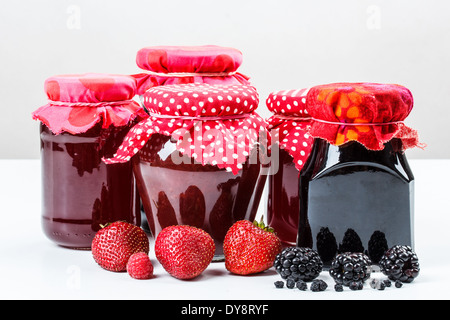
x=213, y=124
x=290, y=122
x=207, y=64
x=369, y=113
x=78, y=102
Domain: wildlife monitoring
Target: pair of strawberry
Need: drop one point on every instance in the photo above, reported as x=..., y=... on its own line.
x=122, y=246
x=185, y=251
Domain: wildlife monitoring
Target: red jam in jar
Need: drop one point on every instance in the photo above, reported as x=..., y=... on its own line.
x=80, y=193
x=356, y=189
x=169, y=65
x=202, y=196
x=196, y=157
x=288, y=128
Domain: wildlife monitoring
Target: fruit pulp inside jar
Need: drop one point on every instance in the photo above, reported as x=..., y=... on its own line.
x=354, y=199
x=283, y=200
x=190, y=193
x=79, y=191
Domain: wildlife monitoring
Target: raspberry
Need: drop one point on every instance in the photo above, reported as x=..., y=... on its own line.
x=139, y=266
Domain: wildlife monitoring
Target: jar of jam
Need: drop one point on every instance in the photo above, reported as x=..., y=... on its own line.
x=290, y=139
x=357, y=189
x=197, y=158
x=85, y=120
x=167, y=65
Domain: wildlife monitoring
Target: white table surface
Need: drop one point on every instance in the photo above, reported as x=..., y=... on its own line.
x=32, y=267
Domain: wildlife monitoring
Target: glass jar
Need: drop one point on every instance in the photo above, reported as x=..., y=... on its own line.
x=80, y=193
x=203, y=196
x=288, y=128
x=354, y=199
x=356, y=189
x=197, y=158
x=168, y=65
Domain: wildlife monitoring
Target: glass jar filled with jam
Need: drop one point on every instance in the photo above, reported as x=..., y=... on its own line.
x=85, y=120
x=168, y=65
x=197, y=158
x=290, y=139
x=357, y=189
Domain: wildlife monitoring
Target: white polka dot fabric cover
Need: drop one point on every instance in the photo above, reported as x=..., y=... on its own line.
x=212, y=124
x=289, y=123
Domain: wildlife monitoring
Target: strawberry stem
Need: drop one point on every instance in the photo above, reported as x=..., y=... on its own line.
x=263, y=226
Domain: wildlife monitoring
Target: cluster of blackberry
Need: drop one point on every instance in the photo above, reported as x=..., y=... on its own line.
x=299, y=265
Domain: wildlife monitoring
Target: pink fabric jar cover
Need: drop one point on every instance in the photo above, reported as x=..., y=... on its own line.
x=78, y=102
x=166, y=65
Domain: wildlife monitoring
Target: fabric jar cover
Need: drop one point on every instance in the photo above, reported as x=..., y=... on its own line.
x=78, y=102
x=369, y=113
x=213, y=124
x=290, y=122
x=166, y=65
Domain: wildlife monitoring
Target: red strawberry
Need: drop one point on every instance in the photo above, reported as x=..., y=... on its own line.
x=113, y=245
x=250, y=247
x=139, y=266
x=184, y=251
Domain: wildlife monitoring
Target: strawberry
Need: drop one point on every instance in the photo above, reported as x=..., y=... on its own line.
x=250, y=247
x=113, y=245
x=184, y=251
x=139, y=266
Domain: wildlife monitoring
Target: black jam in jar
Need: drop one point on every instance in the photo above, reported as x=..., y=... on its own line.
x=354, y=199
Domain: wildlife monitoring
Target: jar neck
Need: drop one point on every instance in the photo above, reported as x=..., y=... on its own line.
x=325, y=156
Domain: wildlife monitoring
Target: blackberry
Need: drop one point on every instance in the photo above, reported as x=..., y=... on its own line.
x=318, y=285
x=279, y=284
x=290, y=283
x=338, y=287
x=377, y=246
x=351, y=242
x=398, y=284
x=356, y=285
x=298, y=263
x=301, y=285
x=387, y=283
x=350, y=267
x=400, y=263
x=326, y=245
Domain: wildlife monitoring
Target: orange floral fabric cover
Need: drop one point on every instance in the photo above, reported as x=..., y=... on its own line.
x=369, y=113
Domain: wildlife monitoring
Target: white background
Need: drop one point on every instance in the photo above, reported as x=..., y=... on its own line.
x=287, y=44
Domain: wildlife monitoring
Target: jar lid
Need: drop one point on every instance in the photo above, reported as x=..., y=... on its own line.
x=369, y=113
x=90, y=87
x=212, y=124
x=165, y=65
x=289, y=124
x=79, y=101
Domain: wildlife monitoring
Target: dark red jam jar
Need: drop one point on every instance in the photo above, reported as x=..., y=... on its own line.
x=290, y=148
x=86, y=119
x=169, y=65
x=356, y=189
x=197, y=158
